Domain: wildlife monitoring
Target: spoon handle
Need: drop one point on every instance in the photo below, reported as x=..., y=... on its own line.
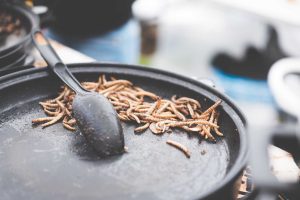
x=55, y=63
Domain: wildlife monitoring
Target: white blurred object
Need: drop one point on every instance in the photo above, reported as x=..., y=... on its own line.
x=282, y=14
x=283, y=165
x=284, y=95
x=287, y=11
x=191, y=32
x=40, y=10
x=289, y=38
x=148, y=10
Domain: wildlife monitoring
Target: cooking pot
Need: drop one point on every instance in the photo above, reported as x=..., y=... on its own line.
x=15, y=46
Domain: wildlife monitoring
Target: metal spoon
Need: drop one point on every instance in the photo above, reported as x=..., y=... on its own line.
x=95, y=116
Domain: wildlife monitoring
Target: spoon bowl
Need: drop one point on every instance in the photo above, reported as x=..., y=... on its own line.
x=100, y=126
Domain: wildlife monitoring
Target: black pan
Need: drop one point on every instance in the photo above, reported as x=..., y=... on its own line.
x=28, y=22
x=10, y=57
x=23, y=63
x=53, y=163
x=16, y=63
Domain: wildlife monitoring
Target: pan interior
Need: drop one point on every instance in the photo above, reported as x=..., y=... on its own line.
x=49, y=163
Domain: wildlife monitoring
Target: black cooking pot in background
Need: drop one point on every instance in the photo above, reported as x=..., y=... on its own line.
x=14, y=47
x=215, y=175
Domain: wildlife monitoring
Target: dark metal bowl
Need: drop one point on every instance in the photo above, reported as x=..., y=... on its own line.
x=13, y=48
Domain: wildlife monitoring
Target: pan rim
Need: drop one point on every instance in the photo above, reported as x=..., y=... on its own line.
x=240, y=162
x=11, y=53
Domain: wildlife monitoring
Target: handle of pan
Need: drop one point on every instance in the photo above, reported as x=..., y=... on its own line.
x=286, y=136
x=283, y=136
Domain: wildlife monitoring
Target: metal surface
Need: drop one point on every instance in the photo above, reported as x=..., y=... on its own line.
x=53, y=163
